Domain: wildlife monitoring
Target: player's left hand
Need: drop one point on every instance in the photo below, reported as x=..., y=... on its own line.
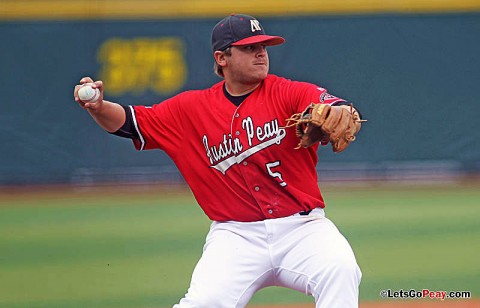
x=323, y=123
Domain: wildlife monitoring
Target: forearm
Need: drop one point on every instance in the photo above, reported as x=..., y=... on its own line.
x=110, y=116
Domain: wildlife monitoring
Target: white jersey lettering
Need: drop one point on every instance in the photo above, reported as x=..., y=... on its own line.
x=226, y=148
x=229, y=152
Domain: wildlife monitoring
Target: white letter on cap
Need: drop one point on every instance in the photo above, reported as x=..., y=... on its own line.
x=255, y=25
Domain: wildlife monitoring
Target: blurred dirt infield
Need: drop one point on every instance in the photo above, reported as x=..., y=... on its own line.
x=168, y=189
x=466, y=303
x=42, y=192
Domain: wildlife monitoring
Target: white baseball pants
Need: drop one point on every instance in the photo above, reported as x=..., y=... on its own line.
x=304, y=253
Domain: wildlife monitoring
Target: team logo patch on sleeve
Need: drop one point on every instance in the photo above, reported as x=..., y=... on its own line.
x=326, y=98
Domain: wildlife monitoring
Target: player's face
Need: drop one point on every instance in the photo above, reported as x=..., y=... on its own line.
x=248, y=64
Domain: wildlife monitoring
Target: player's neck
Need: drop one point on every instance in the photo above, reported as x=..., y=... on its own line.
x=240, y=89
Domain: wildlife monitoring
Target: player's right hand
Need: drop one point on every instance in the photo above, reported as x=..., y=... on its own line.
x=91, y=106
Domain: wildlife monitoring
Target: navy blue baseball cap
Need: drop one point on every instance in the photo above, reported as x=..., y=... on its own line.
x=237, y=30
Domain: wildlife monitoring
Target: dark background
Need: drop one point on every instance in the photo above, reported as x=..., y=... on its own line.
x=414, y=77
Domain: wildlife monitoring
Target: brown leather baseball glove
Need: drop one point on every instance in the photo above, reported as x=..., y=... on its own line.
x=323, y=123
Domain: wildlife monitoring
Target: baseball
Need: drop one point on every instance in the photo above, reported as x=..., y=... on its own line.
x=87, y=94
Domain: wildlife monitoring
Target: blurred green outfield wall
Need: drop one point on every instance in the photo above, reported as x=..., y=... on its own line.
x=415, y=77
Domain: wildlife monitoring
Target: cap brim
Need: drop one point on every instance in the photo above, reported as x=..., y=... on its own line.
x=268, y=40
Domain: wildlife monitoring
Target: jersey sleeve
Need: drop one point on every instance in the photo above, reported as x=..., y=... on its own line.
x=319, y=95
x=306, y=93
x=158, y=126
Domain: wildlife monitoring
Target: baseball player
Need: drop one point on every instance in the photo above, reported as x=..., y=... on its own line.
x=247, y=147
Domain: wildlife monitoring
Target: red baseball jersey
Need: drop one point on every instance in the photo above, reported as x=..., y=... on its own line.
x=240, y=162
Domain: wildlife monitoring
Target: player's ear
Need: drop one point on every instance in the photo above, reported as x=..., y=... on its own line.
x=220, y=58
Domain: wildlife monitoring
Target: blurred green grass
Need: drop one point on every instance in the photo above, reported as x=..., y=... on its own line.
x=115, y=248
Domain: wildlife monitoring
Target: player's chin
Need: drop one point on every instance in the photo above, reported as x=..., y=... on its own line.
x=260, y=72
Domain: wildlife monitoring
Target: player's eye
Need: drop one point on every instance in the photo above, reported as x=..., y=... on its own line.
x=255, y=48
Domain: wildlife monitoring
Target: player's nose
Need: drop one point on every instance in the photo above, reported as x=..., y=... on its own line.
x=262, y=51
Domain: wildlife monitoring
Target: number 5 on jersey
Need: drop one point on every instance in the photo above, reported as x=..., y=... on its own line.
x=275, y=174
